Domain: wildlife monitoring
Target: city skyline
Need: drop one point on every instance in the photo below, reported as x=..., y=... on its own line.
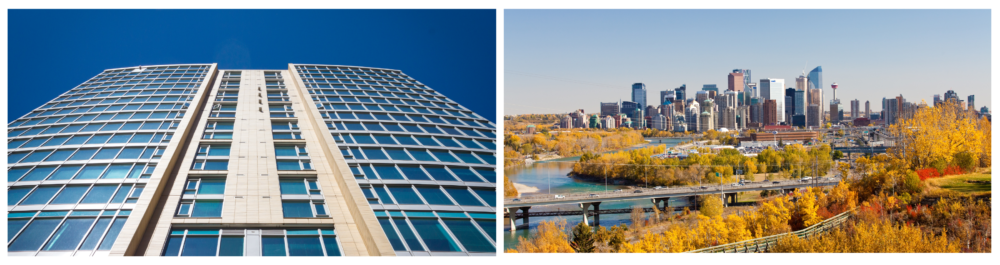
x=583, y=60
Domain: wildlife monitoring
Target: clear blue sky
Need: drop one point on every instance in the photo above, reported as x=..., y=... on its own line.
x=560, y=60
x=452, y=51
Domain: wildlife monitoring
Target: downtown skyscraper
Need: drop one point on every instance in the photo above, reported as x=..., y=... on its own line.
x=191, y=160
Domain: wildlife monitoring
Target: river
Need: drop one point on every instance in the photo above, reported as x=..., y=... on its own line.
x=550, y=178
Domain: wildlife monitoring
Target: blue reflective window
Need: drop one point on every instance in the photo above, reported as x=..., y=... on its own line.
x=34, y=235
x=36, y=156
x=405, y=195
x=109, y=239
x=467, y=157
x=397, y=154
x=99, y=139
x=397, y=244
x=434, y=235
x=272, y=246
x=218, y=150
x=440, y=173
x=292, y=186
x=488, y=226
x=463, y=197
x=65, y=172
x=130, y=153
x=231, y=246
x=414, y=173
x=212, y=186
x=69, y=234
x=70, y=194
x=14, y=226
x=490, y=196
x=39, y=173
x=332, y=248
x=374, y=153
x=304, y=246
x=15, y=143
x=448, y=142
x=60, y=155
x=16, y=156
x=292, y=209
x=465, y=174
x=107, y=153
x=35, y=142
x=173, y=247
x=200, y=246
x=91, y=172
x=120, y=138
x=489, y=158
x=83, y=154
x=100, y=194
x=15, y=194
x=216, y=165
x=78, y=139
x=16, y=173
x=41, y=195
x=434, y=195
x=289, y=165
x=444, y=156
x=388, y=172
x=207, y=208
x=421, y=155
x=472, y=239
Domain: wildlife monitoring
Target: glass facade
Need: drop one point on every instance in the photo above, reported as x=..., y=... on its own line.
x=77, y=165
x=425, y=163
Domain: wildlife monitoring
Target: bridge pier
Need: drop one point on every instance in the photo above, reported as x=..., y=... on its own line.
x=731, y=198
x=513, y=217
x=586, y=212
x=656, y=203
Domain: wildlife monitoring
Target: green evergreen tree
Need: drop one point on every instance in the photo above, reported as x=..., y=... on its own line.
x=583, y=239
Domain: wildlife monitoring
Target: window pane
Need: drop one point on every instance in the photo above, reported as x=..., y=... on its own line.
x=444, y=156
x=468, y=157
x=490, y=196
x=465, y=174
x=272, y=246
x=36, y=156
x=16, y=173
x=374, y=153
x=388, y=172
x=130, y=153
x=408, y=235
x=34, y=235
x=289, y=165
x=463, y=197
x=70, y=195
x=472, y=239
x=414, y=173
x=434, y=235
x=70, y=234
x=39, y=173
x=383, y=195
x=292, y=186
x=397, y=154
x=231, y=246
x=219, y=150
x=285, y=151
x=13, y=226
x=391, y=233
x=60, y=155
x=489, y=174
x=332, y=248
x=439, y=173
x=405, y=195
x=421, y=155
x=100, y=194
x=212, y=186
x=200, y=246
x=91, y=172
x=41, y=195
x=293, y=209
x=489, y=227
x=216, y=165
x=15, y=194
x=83, y=154
x=109, y=239
x=107, y=153
x=122, y=192
x=207, y=208
x=117, y=172
x=173, y=247
x=304, y=246
x=434, y=196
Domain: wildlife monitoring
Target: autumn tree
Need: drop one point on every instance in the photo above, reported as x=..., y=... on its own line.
x=583, y=238
x=547, y=238
x=711, y=206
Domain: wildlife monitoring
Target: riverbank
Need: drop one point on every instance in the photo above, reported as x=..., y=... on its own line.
x=521, y=188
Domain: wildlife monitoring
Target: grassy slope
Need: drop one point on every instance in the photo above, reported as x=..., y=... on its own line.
x=958, y=182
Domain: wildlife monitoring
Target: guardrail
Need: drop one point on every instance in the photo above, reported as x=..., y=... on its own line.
x=763, y=244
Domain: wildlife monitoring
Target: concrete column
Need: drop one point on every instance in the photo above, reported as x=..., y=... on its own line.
x=597, y=214
x=585, y=207
x=512, y=218
x=524, y=210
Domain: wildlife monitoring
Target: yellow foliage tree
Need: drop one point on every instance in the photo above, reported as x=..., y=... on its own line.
x=549, y=237
x=711, y=206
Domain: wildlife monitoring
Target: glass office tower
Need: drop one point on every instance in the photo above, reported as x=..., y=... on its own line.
x=189, y=160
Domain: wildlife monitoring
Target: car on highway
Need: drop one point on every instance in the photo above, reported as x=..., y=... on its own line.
x=657, y=187
x=776, y=182
x=637, y=191
x=704, y=188
x=560, y=196
x=594, y=195
x=517, y=200
x=806, y=178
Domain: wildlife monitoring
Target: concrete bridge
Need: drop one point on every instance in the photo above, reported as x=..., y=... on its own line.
x=863, y=149
x=586, y=200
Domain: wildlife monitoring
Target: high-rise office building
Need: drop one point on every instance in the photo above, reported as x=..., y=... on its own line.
x=770, y=112
x=681, y=93
x=834, y=111
x=789, y=103
x=189, y=160
x=937, y=100
x=736, y=82
x=639, y=95
x=813, y=115
x=629, y=108
x=815, y=97
x=815, y=79
x=972, y=102
x=855, y=109
x=774, y=89
x=800, y=82
x=951, y=95
x=692, y=115
x=747, y=80
x=610, y=109
x=667, y=97
x=868, y=110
